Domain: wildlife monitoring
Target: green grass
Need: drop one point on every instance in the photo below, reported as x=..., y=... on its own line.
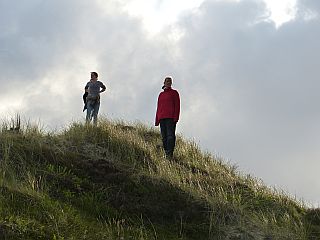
x=112, y=182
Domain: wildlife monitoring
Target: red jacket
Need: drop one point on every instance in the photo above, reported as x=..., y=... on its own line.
x=168, y=105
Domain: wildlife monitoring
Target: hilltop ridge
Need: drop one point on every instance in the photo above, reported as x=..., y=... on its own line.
x=112, y=182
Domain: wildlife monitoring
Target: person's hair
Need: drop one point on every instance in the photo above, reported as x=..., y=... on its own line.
x=168, y=78
x=95, y=73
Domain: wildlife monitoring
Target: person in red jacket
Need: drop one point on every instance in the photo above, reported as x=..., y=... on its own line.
x=168, y=110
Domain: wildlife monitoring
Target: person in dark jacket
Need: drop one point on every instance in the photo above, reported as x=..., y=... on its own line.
x=168, y=111
x=92, y=99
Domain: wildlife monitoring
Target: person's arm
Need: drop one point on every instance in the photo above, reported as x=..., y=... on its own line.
x=103, y=87
x=84, y=97
x=157, y=121
x=86, y=88
x=176, y=107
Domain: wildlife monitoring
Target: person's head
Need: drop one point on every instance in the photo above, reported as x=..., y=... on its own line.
x=94, y=75
x=167, y=82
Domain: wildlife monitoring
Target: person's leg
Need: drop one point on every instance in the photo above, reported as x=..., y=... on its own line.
x=89, y=111
x=171, y=137
x=163, y=129
x=95, y=112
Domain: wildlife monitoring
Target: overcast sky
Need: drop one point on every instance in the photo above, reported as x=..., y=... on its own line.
x=246, y=71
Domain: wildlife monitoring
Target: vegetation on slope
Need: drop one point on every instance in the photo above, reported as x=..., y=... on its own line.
x=112, y=182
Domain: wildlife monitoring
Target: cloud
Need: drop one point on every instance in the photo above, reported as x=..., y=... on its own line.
x=49, y=48
x=256, y=90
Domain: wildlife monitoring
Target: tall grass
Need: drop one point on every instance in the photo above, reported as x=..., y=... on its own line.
x=112, y=182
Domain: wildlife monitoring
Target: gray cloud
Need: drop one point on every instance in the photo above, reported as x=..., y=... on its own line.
x=47, y=47
x=259, y=89
x=248, y=90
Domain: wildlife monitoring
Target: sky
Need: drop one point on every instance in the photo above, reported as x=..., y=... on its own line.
x=246, y=71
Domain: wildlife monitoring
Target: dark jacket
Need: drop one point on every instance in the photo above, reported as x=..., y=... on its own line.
x=84, y=97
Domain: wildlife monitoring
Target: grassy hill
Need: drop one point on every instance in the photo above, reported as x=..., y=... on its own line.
x=112, y=182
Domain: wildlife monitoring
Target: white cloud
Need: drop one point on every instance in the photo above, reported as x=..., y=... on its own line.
x=157, y=14
x=281, y=11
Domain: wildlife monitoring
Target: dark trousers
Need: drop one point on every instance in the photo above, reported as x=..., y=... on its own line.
x=168, y=133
